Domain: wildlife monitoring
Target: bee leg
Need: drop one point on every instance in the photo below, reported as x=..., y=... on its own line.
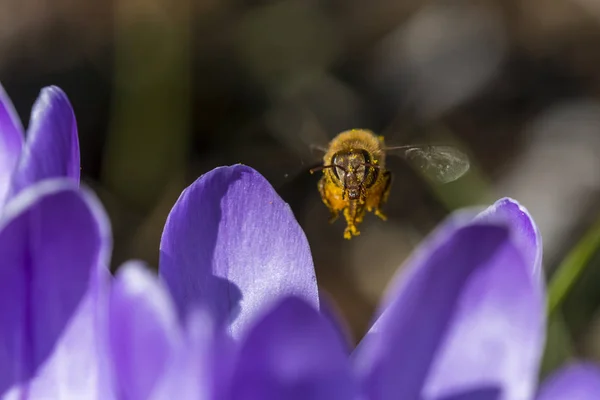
x=334, y=214
x=347, y=233
x=354, y=214
x=351, y=229
x=387, y=176
x=381, y=214
x=360, y=214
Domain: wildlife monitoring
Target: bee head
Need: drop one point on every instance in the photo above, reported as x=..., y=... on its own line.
x=353, y=171
x=353, y=193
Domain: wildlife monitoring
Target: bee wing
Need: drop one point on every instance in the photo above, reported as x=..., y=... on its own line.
x=297, y=129
x=440, y=163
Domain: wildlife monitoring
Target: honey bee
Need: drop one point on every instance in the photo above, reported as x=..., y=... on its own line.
x=355, y=179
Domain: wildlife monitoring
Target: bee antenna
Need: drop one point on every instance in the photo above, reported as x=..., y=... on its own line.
x=371, y=165
x=322, y=167
x=319, y=168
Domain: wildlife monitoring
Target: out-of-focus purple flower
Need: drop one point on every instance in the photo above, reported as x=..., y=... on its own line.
x=54, y=247
x=67, y=331
x=579, y=381
x=50, y=149
x=238, y=313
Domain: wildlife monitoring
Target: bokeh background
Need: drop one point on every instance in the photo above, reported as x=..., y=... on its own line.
x=165, y=90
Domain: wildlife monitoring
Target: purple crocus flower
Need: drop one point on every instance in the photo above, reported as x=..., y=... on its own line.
x=465, y=320
x=50, y=150
x=54, y=247
x=237, y=313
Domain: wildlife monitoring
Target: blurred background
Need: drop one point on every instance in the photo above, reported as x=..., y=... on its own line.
x=165, y=90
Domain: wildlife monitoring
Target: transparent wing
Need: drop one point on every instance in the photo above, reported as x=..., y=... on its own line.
x=440, y=163
x=301, y=137
x=299, y=130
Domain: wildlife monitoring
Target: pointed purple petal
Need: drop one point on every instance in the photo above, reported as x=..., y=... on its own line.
x=11, y=142
x=214, y=354
x=197, y=363
x=508, y=212
x=144, y=332
x=54, y=247
x=579, y=381
x=494, y=296
x=293, y=353
x=151, y=355
x=188, y=376
x=396, y=355
x=232, y=245
x=76, y=367
x=500, y=317
x=525, y=233
x=52, y=146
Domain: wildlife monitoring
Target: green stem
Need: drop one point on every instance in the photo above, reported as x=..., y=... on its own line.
x=147, y=143
x=572, y=266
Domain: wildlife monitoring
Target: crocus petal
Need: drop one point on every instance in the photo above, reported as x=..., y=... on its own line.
x=52, y=146
x=579, y=381
x=146, y=339
x=396, y=355
x=525, y=232
x=293, y=353
x=501, y=317
x=196, y=363
x=497, y=334
x=77, y=366
x=54, y=247
x=11, y=142
x=232, y=245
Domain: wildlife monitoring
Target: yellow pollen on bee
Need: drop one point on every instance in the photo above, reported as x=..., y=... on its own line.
x=373, y=186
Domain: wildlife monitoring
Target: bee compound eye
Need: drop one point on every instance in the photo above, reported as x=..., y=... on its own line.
x=339, y=173
x=366, y=156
